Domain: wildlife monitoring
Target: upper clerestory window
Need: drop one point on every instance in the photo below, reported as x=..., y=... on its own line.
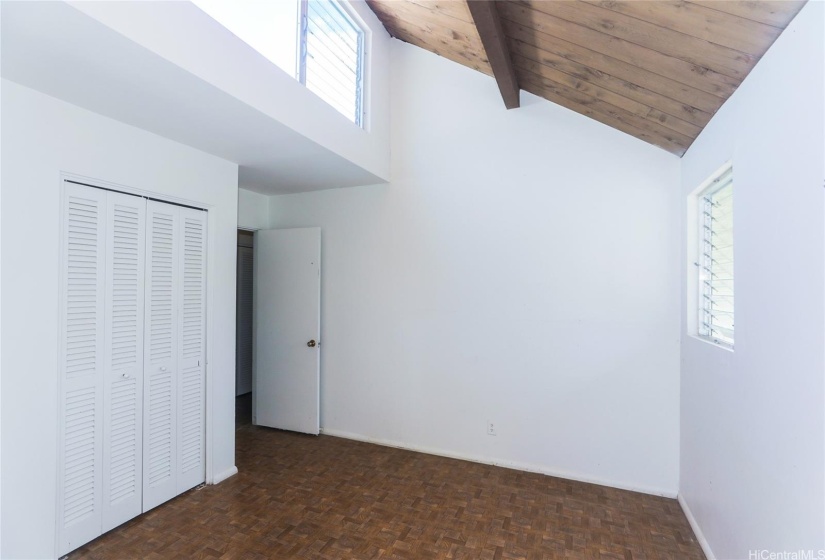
x=331, y=56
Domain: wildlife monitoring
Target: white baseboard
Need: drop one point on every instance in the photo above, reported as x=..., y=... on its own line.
x=500, y=463
x=218, y=478
x=700, y=536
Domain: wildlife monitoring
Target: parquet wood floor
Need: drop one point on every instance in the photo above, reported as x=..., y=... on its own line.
x=324, y=498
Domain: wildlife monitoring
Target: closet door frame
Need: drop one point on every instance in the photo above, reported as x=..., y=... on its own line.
x=65, y=183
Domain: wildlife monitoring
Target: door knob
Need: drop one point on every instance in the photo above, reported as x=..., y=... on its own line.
x=311, y=343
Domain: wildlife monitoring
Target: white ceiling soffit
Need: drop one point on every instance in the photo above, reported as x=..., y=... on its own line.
x=56, y=49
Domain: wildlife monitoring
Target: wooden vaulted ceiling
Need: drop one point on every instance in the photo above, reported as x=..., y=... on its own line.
x=655, y=69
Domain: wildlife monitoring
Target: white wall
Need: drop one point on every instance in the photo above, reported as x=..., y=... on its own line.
x=42, y=137
x=753, y=441
x=214, y=54
x=271, y=28
x=522, y=267
x=253, y=210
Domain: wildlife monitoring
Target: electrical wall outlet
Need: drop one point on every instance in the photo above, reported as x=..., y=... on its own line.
x=492, y=428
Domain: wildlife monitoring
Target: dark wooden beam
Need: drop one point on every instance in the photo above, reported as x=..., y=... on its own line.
x=485, y=16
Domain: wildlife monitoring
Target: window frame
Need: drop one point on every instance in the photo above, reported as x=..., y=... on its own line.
x=360, y=82
x=710, y=187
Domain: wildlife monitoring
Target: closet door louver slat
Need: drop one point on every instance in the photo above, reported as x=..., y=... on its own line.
x=161, y=347
x=82, y=367
x=123, y=386
x=191, y=358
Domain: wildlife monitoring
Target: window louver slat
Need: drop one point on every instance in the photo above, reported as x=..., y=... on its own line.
x=344, y=38
x=331, y=16
x=334, y=71
x=716, y=302
x=332, y=52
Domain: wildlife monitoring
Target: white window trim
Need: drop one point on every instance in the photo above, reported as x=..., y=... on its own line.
x=695, y=254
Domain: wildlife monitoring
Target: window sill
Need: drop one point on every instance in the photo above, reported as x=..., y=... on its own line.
x=713, y=342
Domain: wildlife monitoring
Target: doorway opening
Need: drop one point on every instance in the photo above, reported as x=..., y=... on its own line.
x=243, y=328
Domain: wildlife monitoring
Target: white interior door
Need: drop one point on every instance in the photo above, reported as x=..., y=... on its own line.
x=287, y=323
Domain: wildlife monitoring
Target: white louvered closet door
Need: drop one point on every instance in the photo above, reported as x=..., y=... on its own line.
x=160, y=353
x=81, y=366
x=191, y=363
x=123, y=377
x=175, y=352
x=132, y=358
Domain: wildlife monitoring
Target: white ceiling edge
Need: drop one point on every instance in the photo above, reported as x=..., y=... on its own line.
x=56, y=49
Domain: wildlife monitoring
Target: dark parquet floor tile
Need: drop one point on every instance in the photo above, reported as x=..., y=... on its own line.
x=327, y=498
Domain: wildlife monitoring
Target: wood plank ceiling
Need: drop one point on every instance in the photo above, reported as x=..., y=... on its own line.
x=655, y=69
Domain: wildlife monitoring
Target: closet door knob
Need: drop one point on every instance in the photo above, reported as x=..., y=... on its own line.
x=311, y=344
